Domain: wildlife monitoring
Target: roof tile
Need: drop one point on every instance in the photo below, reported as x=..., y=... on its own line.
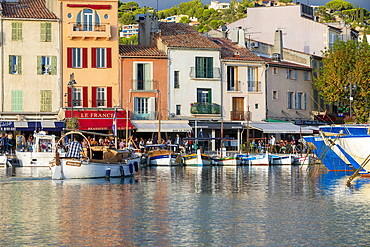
x=32, y=9
x=140, y=51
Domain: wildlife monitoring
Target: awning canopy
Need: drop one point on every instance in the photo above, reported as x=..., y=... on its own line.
x=31, y=125
x=217, y=125
x=282, y=128
x=99, y=119
x=166, y=126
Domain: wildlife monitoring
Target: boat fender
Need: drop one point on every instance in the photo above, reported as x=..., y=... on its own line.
x=107, y=173
x=136, y=165
x=131, y=167
x=122, y=171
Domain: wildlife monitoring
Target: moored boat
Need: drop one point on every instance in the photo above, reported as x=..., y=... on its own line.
x=281, y=159
x=197, y=159
x=102, y=162
x=228, y=161
x=255, y=159
x=159, y=156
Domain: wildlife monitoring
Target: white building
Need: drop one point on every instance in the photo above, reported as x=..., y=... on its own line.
x=129, y=30
x=216, y=5
x=301, y=32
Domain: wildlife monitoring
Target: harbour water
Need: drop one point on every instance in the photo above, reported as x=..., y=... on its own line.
x=185, y=206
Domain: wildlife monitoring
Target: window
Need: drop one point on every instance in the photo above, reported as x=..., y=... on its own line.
x=252, y=79
x=15, y=64
x=101, y=57
x=144, y=108
x=307, y=75
x=274, y=95
x=299, y=102
x=231, y=83
x=77, y=97
x=275, y=71
x=46, y=101
x=88, y=18
x=45, y=33
x=256, y=106
x=204, y=95
x=314, y=65
x=76, y=58
x=143, y=76
x=100, y=96
x=46, y=65
x=178, y=110
x=16, y=31
x=291, y=74
x=17, y=100
x=176, y=79
x=315, y=99
x=204, y=67
x=290, y=100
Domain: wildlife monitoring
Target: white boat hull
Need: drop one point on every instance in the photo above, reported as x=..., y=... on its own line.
x=197, y=159
x=162, y=160
x=282, y=160
x=78, y=169
x=229, y=161
x=34, y=159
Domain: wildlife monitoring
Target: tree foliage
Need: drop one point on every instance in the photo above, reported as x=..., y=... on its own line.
x=347, y=62
x=339, y=5
x=133, y=40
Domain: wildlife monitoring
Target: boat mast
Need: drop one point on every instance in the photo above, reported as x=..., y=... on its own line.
x=222, y=134
x=159, y=119
x=247, y=130
x=126, y=125
x=115, y=128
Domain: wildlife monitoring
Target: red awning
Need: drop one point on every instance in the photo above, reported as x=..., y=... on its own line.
x=99, y=120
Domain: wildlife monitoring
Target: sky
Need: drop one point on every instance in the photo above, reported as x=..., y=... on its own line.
x=166, y=4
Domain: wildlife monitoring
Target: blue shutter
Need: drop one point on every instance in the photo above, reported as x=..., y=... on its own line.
x=289, y=105
x=305, y=101
x=295, y=74
x=296, y=100
x=287, y=74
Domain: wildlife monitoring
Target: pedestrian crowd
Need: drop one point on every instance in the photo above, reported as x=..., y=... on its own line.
x=274, y=146
x=7, y=143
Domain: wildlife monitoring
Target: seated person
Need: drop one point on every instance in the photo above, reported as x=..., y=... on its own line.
x=74, y=149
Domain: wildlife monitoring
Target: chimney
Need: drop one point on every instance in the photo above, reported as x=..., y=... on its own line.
x=236, y=54
x=241, y=37
x=278, y=45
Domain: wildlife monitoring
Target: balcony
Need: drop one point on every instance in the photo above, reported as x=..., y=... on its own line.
x=234, y=86
x=204, y=108
x=143, y=85
x=201, y=73
x=79, y=30
x=254, y=86
x=143, y=116
x=238, y=115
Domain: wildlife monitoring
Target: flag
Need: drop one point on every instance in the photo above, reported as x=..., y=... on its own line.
x=323, y=117
x=114, y=122
x=201, y=133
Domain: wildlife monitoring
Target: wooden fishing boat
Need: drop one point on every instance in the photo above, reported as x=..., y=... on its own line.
x=102, y=162
x=281, y=159
x=157, y=155
x=197, y=159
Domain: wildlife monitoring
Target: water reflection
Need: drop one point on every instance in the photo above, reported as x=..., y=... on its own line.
x=186, y=206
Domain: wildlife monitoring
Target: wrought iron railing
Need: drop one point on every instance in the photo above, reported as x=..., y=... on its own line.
x=204, y=108
x=205, y=73
x=146, y=84
x=100, y=102
x=238, y=115
x=254, y=86
x=235, y=87
x=84, y=27
x=143, y=116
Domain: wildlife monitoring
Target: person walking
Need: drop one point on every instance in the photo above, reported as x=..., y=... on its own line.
x=272, y=144
x=294, y=145
x=155, y=139
x=177, y=142
x=74, y=149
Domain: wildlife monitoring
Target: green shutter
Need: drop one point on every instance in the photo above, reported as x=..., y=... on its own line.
x=19, y=65
x=210, y=96
x=46, y=101
x=43, y=31
x=39, y=65
x=42, y=101
x=209, y=67
x=19, y=31
x=10, y=64
x=53, y=65
x=17, y=100
x=48, y=32
x=14, y=31
x=199, y=67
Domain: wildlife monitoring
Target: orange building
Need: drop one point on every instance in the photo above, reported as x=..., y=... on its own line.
x=89, y=48
x=143, y=70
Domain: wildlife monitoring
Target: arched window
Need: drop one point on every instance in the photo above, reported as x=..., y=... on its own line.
x=88, y=18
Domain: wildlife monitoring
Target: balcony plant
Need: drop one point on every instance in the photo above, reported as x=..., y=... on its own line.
x=215, y=108
x=194, y=108
x=205, y=108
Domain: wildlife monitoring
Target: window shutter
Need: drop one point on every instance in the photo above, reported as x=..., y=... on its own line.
x=93, y=96
x=17, y=100
x=289, y=101
x=10, y=64
x=43, y=31
x=48, y=32
x=109, y=57
x=85, y=97
x=199, y=67
x=287, y=74
x=305, y=101
x=19, y=31
x=19, y=65
x=53, y=65
x=69, y=97
x=43, y=101
x=84, y=57
x=147, y=76
x=39, y=65
x=109, y=97
x=296, y=100
x=210, y=96
x=209, y=67
x=151, y=106
x=69, y=57
x=14, y=31
x=295, y=74
x=48, y=101
x=93, y=57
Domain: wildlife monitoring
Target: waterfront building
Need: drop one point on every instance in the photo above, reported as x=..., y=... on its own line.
x=129, y=30
x=30, y=85
x=216, y=5
x=89, y=52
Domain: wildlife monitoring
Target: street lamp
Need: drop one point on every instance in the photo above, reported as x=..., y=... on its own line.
x=352, y=88
x=71, y=83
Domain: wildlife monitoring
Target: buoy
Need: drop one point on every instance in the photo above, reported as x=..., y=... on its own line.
x=107, y=173
x=136, y=165
x=122, y=171
x=131, y=167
